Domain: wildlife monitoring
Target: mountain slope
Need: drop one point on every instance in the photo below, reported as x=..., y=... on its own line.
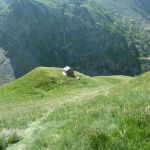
x=132, y=18
x=59, y=33
x=90, y=113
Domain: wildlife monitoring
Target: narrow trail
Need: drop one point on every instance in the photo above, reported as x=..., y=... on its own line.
x=28, y=133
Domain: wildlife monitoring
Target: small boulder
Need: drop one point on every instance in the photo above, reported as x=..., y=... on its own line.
x=68, y=71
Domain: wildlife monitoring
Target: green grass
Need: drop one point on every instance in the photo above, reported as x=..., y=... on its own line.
x=50, y=111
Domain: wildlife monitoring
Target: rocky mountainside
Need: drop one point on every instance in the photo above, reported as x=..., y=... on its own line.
x=96, y=37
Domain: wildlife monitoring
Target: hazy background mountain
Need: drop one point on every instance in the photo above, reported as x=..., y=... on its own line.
x=93, y=36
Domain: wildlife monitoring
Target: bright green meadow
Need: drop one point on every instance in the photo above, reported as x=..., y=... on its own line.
x=45, y=110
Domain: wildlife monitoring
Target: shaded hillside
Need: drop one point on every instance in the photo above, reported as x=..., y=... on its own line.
x=58, y=33
x=132, y=18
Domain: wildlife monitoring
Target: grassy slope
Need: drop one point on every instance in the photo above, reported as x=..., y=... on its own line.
x=51, y=111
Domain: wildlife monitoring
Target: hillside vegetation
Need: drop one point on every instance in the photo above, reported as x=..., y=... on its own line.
x=46, y=110
x=96, y=37
x=132, y=18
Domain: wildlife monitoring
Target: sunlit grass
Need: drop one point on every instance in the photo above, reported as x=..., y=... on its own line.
x=90, y=113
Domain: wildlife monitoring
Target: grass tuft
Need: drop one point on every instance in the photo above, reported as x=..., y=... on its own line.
x=8, y=138
x=98, y=139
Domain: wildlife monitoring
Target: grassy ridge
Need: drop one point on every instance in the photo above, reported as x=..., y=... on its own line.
x=90, y=113
x=39, y=82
